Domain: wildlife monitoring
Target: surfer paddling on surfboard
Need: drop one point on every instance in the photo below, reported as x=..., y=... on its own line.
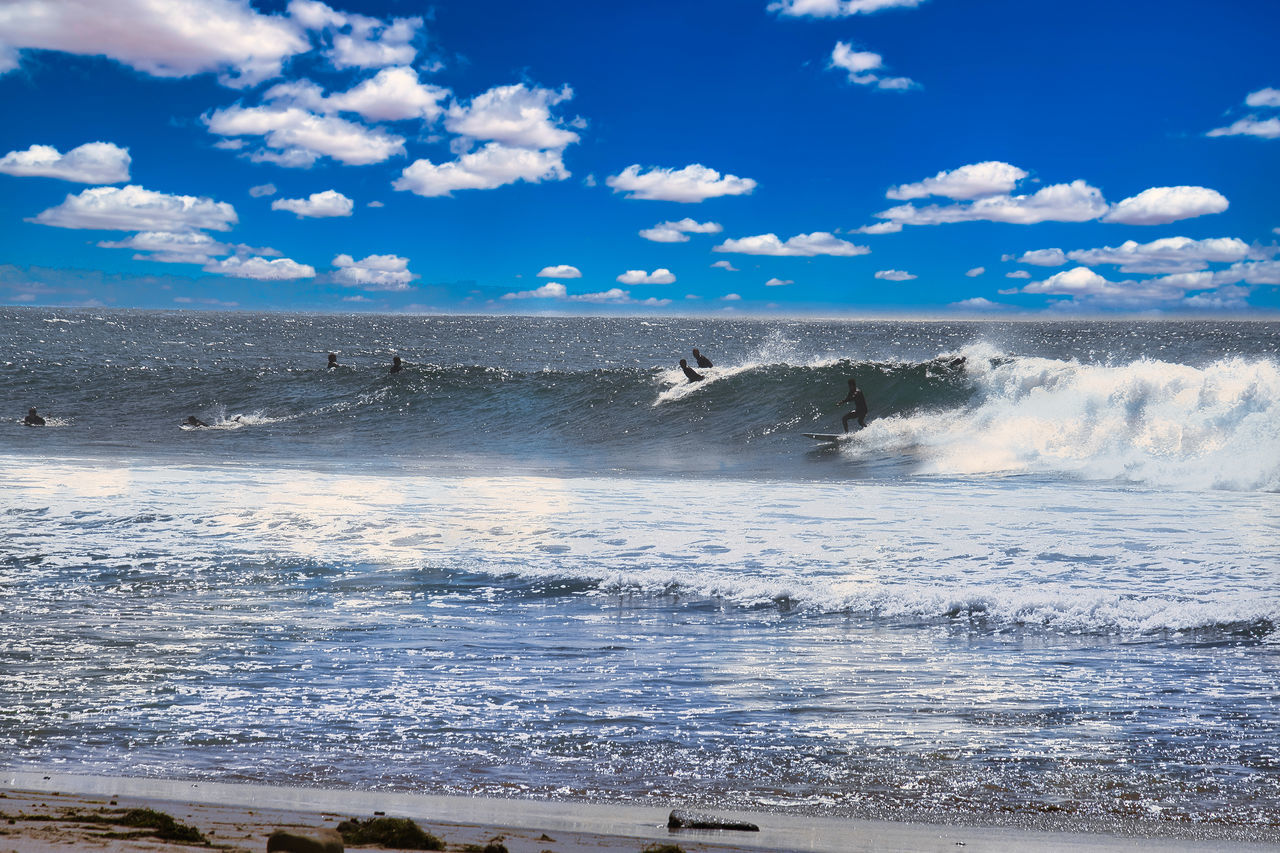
x=859, y=406
x=690, y=373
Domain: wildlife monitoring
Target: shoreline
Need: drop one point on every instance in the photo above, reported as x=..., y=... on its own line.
x=241, y=816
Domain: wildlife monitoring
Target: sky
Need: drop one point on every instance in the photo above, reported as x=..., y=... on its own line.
x=993, y=158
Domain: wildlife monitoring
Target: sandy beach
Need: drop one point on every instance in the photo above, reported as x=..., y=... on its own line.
x=41, y=812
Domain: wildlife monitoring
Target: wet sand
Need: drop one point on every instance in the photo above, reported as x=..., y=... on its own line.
x=33, y=806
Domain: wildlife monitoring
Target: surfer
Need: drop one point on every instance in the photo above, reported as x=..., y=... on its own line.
x=333, y=360
x=702, y=360
x=859, y=406
x=396, y=366
x=33, y=419
x=193, y=421
x=693, y=375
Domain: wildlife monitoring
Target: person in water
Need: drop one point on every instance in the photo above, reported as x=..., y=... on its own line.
x=333, y=360
x=33, y=419
x=859, y=406
x=193, y=421
x=396, y=366
x=693, y=375
x=702, y=360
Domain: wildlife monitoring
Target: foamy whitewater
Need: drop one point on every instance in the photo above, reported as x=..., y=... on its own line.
x=1043, y=581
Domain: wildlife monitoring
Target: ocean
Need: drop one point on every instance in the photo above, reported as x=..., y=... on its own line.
x=1041, y=587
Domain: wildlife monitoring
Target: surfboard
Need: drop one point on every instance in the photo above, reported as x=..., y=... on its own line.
x=823, y=436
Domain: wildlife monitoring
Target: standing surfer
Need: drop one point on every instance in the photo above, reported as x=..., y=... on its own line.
x=859, y=406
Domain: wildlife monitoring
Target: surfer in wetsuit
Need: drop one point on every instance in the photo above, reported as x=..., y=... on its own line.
x=33, y=419
x=693, y=375
x=396, y=366
x=702, y=360
x=193, y=421
x=859, y=406
x=333, y=360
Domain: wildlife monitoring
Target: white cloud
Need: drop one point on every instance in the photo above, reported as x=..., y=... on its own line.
x=860, y=64
x=165, y=38
x=1250, y=126
x=297, y=138
x=1162, y=205
x=516, y=116
x=1018, y=274
x=895, y=275
x=975, y=272
x=880, y=228
x=837, y=8
x=560, y=271
x=677, y=232
x=1073, y=202
x=1166, y=255
x=376, y=272
x=731, y=297
x=658, y=276
x=725, y=265
x=550, y=290
x=781, y=282
x=1044, y=257
x=492, y=166
x=1079, y=281
x=963, y=184
x=618, y=296
x=188, y=247
x=358, y=41
x=262, y=189
x=393, y=94
x=91, y=163
x=1255, y=272
x=317, y=205
x=1264, y=98
x=978, y=303
x=801, y=245
x=132, y=208
x=280, y=269
x=694, y=183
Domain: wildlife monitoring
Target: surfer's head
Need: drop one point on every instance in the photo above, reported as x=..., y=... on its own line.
x=684, y=363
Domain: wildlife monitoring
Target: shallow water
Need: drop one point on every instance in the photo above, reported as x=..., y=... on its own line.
x=1031, y=586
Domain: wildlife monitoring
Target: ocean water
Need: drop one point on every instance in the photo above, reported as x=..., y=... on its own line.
x=1042, y=585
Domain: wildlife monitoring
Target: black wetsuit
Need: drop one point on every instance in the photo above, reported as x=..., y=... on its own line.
x=859, y=409
x=703, y=361
x=694, y=376
x=32, y=419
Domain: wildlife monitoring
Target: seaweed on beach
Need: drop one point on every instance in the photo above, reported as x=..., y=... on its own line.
x=398, y=832
x=152, y=823
x=663, y=848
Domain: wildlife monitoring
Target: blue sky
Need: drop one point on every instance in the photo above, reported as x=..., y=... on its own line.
x=831, y=157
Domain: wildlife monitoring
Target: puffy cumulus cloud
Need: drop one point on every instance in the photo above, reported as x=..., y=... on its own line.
x=188, y=247
x=1229, y=298
x=393, y=94
x=978, y=303
x=1073, y=202
x=975, y=272
x=376, y=272
x=297, y=138
x=1018, y=274
x=262, y=189
x=358, y=41
x=91, y=163
x=678, y=232
x=550, y=290
x=516, y=116
x=132, y=208
x=618, y=296
x=280, y=269
x=164, y=38
x=725, y=265
x=1162, y=205
x=1264, y=98
x=1166, y=255
x=963, y=184
x=658, y=276
x=1250, y=126
x=1079, y=281
x=487, y=168
x=837, y=8
x=1043, y=257
x=880, y=228
x=782, y=282
x=731, y=297
x=895, y=275
x=860, y=63
x=692, y=184
x=1249, y=272
x=317, y=205
x=560, y=271
x=801, y=245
